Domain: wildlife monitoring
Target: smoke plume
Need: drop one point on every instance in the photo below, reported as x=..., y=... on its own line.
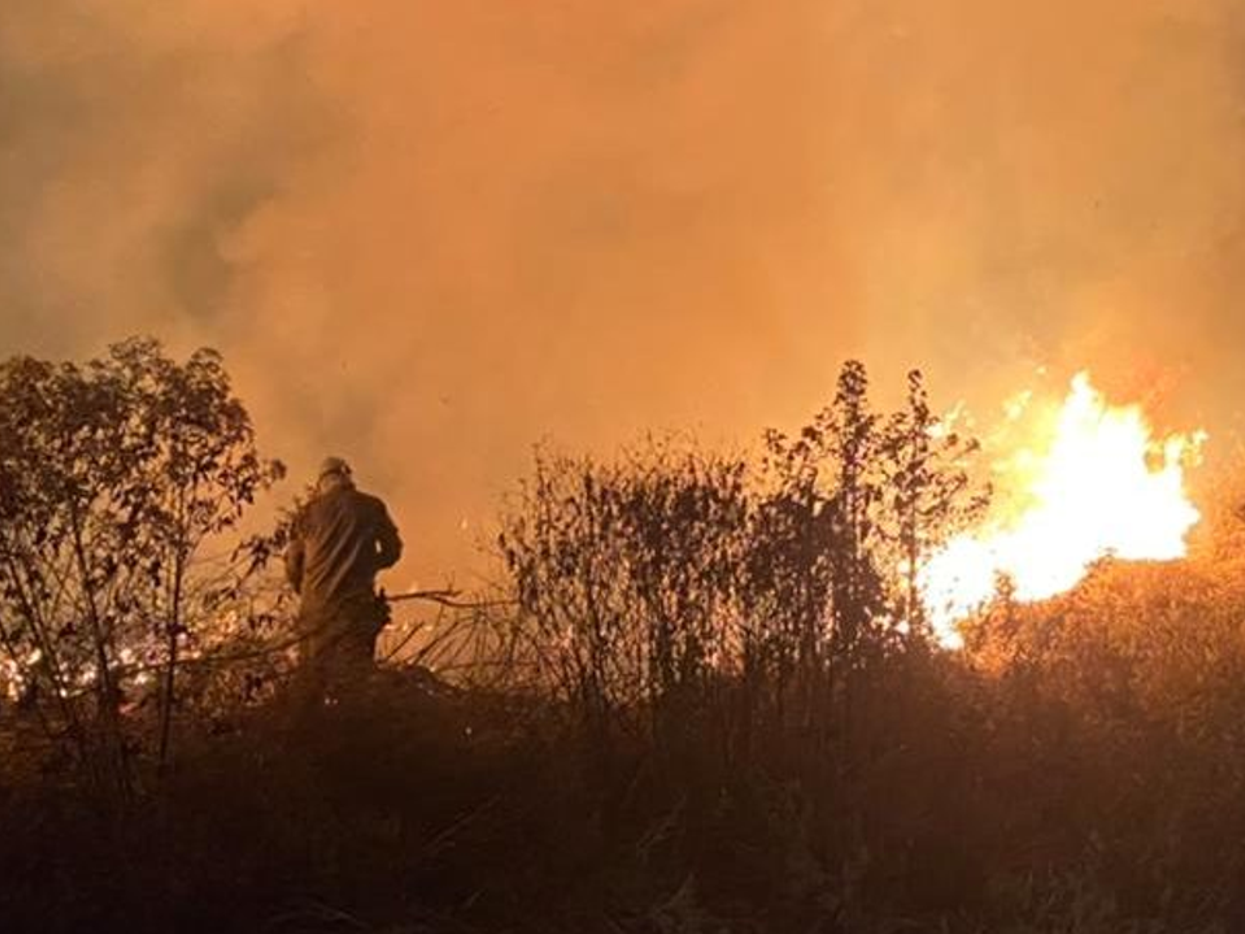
x=429, y=234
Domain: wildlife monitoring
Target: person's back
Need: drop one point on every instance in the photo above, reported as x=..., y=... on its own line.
x=338, y=543
x=346, y=537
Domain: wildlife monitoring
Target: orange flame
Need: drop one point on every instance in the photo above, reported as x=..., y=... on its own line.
x=1095, y=483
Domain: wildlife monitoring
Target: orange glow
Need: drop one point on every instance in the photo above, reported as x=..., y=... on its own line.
x=1093, y=481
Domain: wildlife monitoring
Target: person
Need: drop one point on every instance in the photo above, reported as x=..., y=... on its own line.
x=339, y=541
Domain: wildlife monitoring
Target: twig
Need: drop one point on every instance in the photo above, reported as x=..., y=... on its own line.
x=444, y=598
x=447, y=598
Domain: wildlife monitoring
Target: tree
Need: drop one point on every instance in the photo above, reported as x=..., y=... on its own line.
x=114, y=475
x=932, y=493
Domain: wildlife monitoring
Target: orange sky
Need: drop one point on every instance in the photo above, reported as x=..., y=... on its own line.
x=429, y=234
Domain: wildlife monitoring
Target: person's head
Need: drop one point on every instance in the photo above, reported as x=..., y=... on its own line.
x=334, y=472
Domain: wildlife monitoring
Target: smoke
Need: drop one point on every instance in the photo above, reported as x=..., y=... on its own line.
x=427, y=235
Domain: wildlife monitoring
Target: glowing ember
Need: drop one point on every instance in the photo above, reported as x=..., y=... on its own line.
x=1096, y=483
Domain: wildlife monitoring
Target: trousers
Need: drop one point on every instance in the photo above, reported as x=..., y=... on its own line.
x=338, y=648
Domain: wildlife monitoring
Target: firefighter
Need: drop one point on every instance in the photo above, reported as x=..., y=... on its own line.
x=339, y=541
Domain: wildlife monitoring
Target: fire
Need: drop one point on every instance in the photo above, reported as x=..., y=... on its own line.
x=1095, y=482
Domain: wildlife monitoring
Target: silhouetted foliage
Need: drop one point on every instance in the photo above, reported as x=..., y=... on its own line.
x=645, y=576
x=113, y=477
x=747, y=610
x=714, y=706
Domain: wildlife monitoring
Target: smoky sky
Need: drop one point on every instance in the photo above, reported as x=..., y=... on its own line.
x=427, y=235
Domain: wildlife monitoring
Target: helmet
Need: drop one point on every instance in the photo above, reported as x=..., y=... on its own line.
x=334, y=467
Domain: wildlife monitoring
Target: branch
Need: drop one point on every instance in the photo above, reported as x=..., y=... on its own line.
x=447, y=598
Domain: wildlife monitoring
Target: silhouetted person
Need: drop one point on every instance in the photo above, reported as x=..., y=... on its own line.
x=338, y=543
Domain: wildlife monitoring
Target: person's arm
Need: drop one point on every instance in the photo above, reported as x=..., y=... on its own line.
x=295, y=558
x=388, y=542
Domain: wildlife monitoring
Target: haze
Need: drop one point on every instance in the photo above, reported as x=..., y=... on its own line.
x=429, y=234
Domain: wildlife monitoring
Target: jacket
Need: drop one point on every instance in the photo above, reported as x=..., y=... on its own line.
x=338, y=543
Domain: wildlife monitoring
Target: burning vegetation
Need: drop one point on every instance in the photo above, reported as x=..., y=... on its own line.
x=1090, y=481
x=876, y=677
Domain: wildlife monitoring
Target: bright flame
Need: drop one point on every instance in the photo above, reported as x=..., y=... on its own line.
x=1097, y=484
